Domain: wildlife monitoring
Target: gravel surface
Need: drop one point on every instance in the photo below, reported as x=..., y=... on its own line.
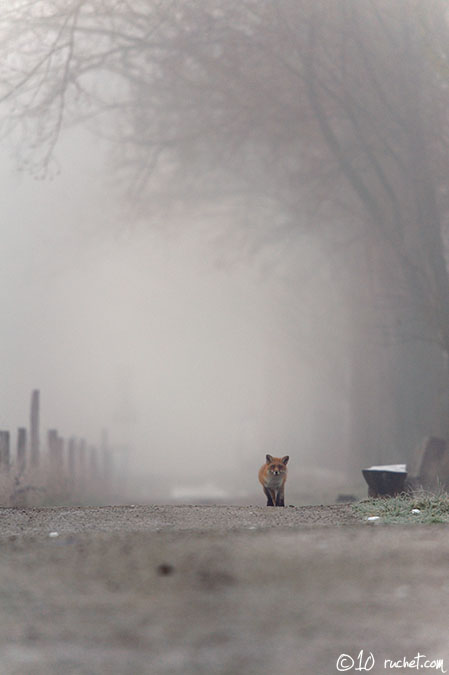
x=72, y=520
x=229, y=590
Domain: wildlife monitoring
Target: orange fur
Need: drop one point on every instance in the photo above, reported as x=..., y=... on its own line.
x=272, y=476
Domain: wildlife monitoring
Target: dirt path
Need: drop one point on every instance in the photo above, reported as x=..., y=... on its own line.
x=70, y=520
x=226, y=590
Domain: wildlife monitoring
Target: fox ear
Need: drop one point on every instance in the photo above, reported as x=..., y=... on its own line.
x=269, y=459
x=285, y=459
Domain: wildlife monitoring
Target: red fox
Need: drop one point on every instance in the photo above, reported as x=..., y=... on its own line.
x=273, y=475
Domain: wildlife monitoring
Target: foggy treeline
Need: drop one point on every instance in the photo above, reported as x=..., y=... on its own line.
x=309, y=138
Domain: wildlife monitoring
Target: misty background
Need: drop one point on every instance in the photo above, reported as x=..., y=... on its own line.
x=197, y=355
x=220, y=240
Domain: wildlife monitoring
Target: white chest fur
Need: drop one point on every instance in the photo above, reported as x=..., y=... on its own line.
x=274, y=481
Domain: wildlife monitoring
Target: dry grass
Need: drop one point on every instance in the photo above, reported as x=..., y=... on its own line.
x=419, y=508
x=47, y=487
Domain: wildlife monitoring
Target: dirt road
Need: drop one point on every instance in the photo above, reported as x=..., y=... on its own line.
x=218, y=590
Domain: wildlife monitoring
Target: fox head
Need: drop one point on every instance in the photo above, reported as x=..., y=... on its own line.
x=277, y=465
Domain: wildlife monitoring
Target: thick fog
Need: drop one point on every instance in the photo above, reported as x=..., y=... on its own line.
x=196, y=356
x=239, y=242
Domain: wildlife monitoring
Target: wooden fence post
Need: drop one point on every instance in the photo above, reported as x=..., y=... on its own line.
x=34, y=428
x=93, y=462
x=53, y=450
x=21, y=449
x=107, y=465
x=60, y=457
x=4, y=451
x=82, y=463
x=106, y=460
x=71, y=459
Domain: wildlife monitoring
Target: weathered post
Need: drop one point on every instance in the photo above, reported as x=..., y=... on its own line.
x=93, y=462
x=52, y=444
x=21, y=449
x=4, y=451
x=34, y=428
x=71, y=459
x=106, y=458
x=104, y=451
x=433, y=470
x=60, y=454
x=107, y=466
x=56, y=464
x=56, y=451
x=82, y=464
x=106, y=462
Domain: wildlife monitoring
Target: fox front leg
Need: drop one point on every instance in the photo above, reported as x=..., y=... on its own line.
x=280, y=498
x=270, y=500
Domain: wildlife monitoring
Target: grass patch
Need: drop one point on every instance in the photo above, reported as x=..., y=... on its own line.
x=419, y=508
